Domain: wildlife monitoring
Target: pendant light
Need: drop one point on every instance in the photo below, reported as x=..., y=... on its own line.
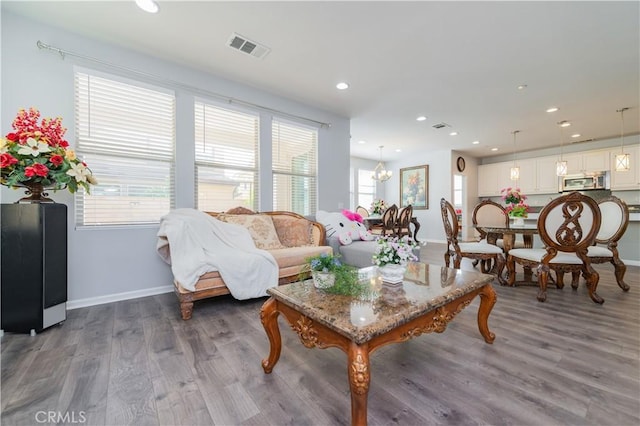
x=561, y=165
x=380, y=173
x=623, y=161
x=515, y=170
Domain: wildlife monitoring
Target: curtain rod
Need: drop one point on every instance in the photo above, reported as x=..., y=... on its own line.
x=64, y=53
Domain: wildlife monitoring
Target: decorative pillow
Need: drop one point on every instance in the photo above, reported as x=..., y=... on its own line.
x=292, y=231
x=260, y=227
x=339, y=226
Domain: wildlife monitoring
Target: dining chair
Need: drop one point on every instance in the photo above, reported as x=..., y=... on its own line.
x=404, y=221
x=388, y=222
x=567, y=226
x=362, y=211
x=490, y=213
x=612, y=229
x=472, y=250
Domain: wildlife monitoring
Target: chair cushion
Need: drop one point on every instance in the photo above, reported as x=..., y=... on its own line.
x=294, y=256
x=536, y=255
x=479, y=248
x=598, y=251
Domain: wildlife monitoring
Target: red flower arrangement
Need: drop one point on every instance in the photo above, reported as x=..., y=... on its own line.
x=37, y=153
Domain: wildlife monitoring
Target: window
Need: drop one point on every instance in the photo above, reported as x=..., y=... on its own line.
x=366, y=188
x=226, y=158
x=126, y=134
x=294, y=150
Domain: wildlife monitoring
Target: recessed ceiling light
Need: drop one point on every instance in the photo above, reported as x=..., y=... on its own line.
x=362, y=142
x=150, y=6
x=342, y=85
x=552, y=109
x=421, y=118
x=522, y=87
x=453, y=134
x=475, y=142
x=564, y=123
x=398, y=150
x=494, y=149
x=577, y=135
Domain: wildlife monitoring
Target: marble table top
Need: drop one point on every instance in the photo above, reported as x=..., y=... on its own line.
x=383, y=306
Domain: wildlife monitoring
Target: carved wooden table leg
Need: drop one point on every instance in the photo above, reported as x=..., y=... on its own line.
x=269, y=317
x=488, y=299
x=359, y=378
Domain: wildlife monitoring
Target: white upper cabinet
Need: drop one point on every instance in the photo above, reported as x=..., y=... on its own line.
x=546, y=177
x=631, y=178
x=591, y=161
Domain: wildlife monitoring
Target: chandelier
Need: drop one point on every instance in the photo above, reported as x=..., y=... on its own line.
x=380, y=173
x=623, y=161
x=515, y=170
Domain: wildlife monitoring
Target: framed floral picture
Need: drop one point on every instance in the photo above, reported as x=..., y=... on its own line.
x=414, y=187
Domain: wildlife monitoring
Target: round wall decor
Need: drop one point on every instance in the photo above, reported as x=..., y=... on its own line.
x=461, y=164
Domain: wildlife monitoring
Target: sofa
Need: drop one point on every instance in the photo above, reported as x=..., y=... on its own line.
x=296, y=239
x=349, y=238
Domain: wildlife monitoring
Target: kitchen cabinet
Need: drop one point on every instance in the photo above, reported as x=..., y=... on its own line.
x=631, y=178
x=546, y=177
x=537, y=176
x=590, y=161
x=493, y=177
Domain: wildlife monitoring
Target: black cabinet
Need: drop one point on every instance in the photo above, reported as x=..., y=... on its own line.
x=34, y=266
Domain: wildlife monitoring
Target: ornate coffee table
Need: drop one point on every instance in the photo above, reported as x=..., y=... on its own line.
x=428, y=299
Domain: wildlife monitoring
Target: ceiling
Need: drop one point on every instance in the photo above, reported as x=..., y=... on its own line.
x=458, y=63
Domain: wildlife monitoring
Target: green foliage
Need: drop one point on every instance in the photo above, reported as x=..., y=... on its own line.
x=347, y=282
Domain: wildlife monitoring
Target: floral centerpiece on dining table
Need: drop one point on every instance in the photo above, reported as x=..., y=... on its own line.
x=392, y=254
x=514, y=200
x=378, y=207
x=36, y=156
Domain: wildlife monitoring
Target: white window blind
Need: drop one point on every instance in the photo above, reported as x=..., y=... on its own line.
x=294, y=167
x=126, y=135
x=227, y=144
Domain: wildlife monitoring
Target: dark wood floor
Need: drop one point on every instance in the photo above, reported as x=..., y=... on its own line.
x=567, y=361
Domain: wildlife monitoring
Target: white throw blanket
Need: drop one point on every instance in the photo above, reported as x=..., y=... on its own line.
x=194, y=243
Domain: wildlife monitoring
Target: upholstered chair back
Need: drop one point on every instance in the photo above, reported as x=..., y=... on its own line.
x=615, y=214
x=569, y=223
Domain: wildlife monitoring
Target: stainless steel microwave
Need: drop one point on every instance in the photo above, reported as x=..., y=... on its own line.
x=585, y=181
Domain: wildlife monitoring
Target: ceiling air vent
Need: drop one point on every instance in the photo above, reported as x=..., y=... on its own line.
x=243, y=44
x=440, y=125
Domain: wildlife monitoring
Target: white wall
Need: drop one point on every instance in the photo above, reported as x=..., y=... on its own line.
x=105, y=263
x=440, y=185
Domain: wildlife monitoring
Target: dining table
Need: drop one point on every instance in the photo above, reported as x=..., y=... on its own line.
x=508, y=239
x=509, y=234
x=370, y=221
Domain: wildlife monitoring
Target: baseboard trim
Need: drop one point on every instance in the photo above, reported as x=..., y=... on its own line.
x=100, y=300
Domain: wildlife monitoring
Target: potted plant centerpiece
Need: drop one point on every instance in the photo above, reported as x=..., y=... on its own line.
x=392, y=255
x=516, y=208
x=331, y=275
